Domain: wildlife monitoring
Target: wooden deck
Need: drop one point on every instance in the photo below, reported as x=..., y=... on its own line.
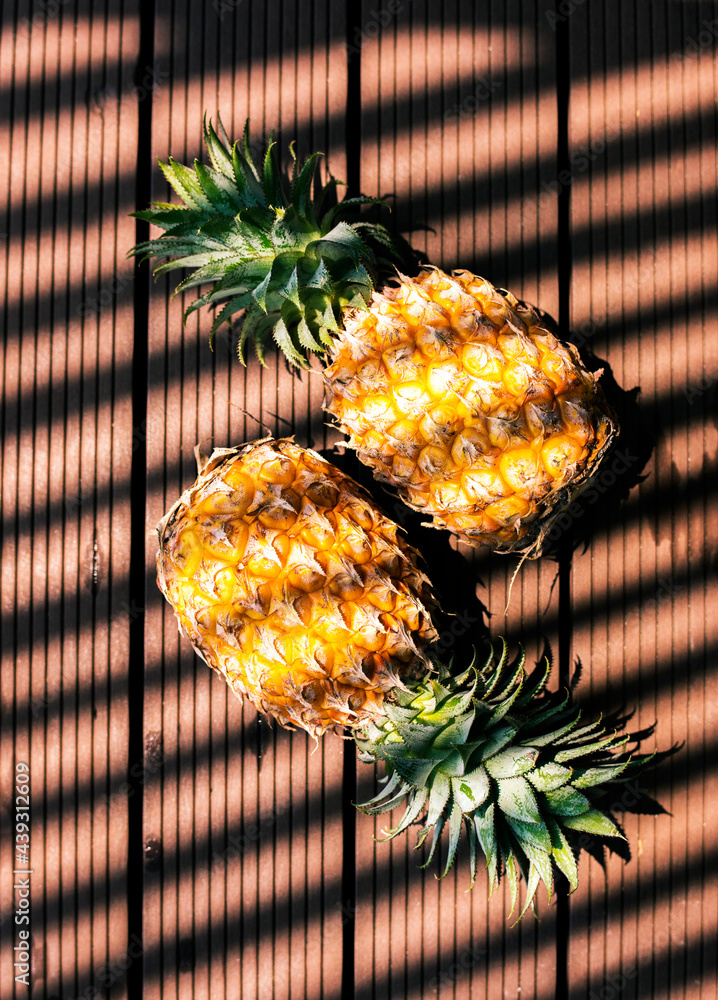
x=179, y=848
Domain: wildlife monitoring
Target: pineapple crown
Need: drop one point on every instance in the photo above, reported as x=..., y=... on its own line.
x=492, y=750
x=286, y=258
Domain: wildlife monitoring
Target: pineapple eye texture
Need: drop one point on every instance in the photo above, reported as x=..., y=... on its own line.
x=286, y=586
x=475, y=374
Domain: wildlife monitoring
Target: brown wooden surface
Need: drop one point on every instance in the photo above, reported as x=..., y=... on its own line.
x=644, y=269
x=69, y=127
x=179, y=847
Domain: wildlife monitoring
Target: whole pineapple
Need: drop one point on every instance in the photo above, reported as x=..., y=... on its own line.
x=293, y=585
x=462, y=399
x=452, y=391
x=290, y=582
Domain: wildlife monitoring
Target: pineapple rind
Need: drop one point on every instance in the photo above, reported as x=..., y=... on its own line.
x=289, y=581
x=463, y=400
x=514, y=770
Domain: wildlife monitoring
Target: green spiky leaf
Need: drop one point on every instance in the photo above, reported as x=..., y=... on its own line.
x=593, y=821
x=562, y=853
x=512, y=762
x=549, y=776
x=414, y=772
x=232, y=217
x=470, y=749
x=471, y=790
x=566, y=801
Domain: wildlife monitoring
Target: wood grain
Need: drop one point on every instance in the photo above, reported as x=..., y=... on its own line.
x=180, y=845
x=67, y=444
x=245, y=900
x=643, y=285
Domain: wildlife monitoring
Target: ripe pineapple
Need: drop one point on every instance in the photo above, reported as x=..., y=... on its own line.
x=291, y=583
x=455, y=393
x=461, y=398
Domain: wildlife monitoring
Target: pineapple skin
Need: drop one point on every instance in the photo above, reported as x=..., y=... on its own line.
x=461, y=399
x=291, y=583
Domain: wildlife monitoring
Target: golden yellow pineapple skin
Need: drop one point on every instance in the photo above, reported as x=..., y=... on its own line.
x=460, y=397
x=291, y=583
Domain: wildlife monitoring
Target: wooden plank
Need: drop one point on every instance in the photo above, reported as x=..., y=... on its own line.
x=458, y=119
x=244, y=819
x=243, y=886
x=644, y=279
x=67, y=408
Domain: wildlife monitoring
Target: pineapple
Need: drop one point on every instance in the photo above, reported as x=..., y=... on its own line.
x=290, y=582
x=461, y=398
x=452, y=391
